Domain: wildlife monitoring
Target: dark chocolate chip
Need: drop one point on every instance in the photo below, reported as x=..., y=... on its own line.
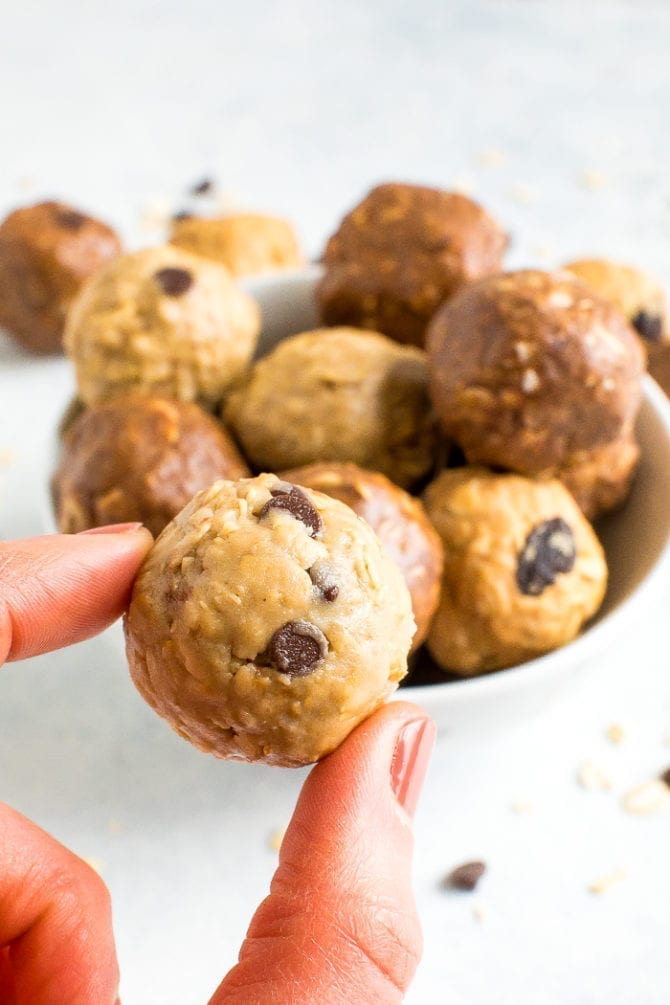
x=294, y=501
x=202, y=187
x=296, y=648
x=548, y=550
x=466, y=876
x=324, y=577
x=182, y=214
x=70, y=219
x=665, y=777
x=174, y=282
x=649, y=326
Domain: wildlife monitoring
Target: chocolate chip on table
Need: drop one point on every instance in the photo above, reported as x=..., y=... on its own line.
x=296, y=648
x=202, y=187
x=324, y=577
x=665, y=777
x=466, y=876
x=294, y=501
x=70, y=219
x=649, y=326
x=174, y=282
x=548, y=550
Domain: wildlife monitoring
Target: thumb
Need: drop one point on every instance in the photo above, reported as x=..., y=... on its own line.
x=340, y=924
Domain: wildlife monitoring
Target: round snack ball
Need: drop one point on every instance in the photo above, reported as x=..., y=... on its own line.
x=161, y=321
x=600, y=479
x=46, y=252
x=523, y=569
x=658, y=364
x=638, y=295
x=531, y=372
x=266, y=622
x=138, y=458
x=400, y=253
x=246, y=243
x=337, y=394
x=399, y=521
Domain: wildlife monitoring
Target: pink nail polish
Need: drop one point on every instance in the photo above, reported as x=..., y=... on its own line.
x=113, y=528
x=411, y=755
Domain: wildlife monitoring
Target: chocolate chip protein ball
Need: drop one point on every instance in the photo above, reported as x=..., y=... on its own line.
x=138, y=458
x=46, y=252
x=266, y=622
x=658, y=363
x=523, y=569
x=400, y=253
x=638, y=295
x=337, y=394
x=399, y=521
x=164, y=322
x=532, y=372
x=246, y=243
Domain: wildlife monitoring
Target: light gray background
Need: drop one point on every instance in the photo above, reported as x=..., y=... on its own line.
x=555, y=115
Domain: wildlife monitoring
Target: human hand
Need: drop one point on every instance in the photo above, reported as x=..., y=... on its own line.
x=339, y=925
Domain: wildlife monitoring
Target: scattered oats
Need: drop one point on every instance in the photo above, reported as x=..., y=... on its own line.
x=590, y=776
x=8, y=457
x=479, y=912
x=522, y=806
x=650, y=797
x=524, y=195
x=276, y=838
x=530, y=381
x=615, y=732
x=603, y=885
x=156, y=215
x=491, y=157
x=593, y=180
x=465, y=186
x=95, y=863
x=114, y=826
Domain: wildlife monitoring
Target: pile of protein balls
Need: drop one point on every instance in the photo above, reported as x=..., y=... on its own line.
x=477, y=420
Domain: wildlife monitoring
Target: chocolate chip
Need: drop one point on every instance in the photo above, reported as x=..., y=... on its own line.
x=202, y=187
x=649, y=326
x=548, y=550
x=182, y=214
x=665, y=777
x=174, y=282
x=294, y=501
x=466, y=876
x=324, y=577
x=296, y=648
x=70, y=219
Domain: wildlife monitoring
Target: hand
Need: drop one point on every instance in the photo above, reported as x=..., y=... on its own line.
x=339, y=925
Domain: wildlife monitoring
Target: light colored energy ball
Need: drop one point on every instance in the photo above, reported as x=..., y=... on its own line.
x=639, y=296
x=246, y=243
x=337, y=394
x=523, y=569
x=163, y=322
x=266, y=622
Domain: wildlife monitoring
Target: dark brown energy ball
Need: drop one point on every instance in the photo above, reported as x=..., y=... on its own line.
x=139, y=458
x=531, y=372
x=400, y=253
x=46, y=252
x=399, y=521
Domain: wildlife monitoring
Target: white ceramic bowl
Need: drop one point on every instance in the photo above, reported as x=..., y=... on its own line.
x=636, y=540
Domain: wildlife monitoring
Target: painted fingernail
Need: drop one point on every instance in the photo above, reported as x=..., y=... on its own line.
x=113, y=528
x=411, y=755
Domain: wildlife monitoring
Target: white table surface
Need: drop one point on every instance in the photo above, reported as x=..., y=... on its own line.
x=554, y=115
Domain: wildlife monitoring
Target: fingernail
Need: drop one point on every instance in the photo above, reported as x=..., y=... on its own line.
x=113, y=528
x=411, y=755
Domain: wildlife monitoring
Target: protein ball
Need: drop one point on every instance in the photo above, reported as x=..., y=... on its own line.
x=232, y=641
x=138, y=458
x=337, y=394
x=246, y=243
x=531, y=372
x=162, y=322
x=523, y=569
x=399, y=521
x=400, y=253
x=46, y=252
